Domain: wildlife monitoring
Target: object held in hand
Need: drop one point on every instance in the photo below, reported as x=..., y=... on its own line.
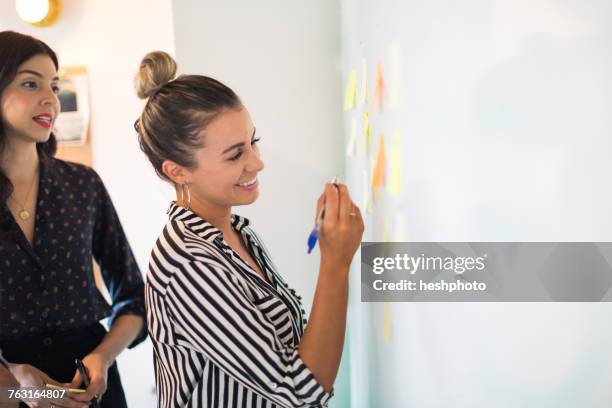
x=73, y=390
x=94, y=403
x=314, y=234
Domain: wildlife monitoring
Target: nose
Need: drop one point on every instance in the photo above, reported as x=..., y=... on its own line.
x=50, y=98
x=255, y=164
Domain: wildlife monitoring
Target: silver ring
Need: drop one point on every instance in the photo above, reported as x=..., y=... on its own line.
x=352, y=214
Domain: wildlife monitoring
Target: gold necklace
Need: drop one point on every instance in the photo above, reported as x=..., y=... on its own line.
x=25, y=214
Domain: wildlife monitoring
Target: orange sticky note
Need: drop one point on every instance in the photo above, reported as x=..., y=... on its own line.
x=379, y=87
x=350, y=96
x=378, y=178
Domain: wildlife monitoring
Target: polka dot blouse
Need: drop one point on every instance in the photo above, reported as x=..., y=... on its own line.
x=49, y=286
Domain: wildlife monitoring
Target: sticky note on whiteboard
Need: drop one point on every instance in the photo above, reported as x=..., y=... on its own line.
x=350, y=95
x=365, y=146
x=387, y=323
x=378, y=178
x=379, y=87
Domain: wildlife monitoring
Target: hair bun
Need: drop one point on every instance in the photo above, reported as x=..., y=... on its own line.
x=157, y=68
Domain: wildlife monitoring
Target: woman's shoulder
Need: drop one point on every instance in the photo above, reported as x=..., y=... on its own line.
x=179, y=253
x=68, y=169
x=179, y=245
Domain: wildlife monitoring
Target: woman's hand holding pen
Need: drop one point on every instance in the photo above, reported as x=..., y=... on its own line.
x=97, y=365
x=339, y=233
x=29, y=376
x=342, y=226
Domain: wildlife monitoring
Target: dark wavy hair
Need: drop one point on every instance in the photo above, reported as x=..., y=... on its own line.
x=15, y=49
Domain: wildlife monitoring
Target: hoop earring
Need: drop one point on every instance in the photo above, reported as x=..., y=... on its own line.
x=188, y=196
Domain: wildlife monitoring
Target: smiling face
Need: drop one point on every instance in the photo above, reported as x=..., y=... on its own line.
x=227, y=164
x=29, y=103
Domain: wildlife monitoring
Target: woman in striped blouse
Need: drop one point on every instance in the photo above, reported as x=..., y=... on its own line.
x=226, y=328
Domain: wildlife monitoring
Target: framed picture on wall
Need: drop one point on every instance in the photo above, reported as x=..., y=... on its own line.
x=72, y=125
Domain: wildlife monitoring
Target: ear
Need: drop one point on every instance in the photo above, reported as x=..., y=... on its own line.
x=175, y=172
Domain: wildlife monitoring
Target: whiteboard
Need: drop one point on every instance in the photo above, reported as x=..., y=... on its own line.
x=503, y=110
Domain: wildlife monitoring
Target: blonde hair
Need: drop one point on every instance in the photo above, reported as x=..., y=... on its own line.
x=157, y=68
x=177, y=110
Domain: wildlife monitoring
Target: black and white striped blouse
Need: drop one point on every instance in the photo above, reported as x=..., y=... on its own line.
x=222, y=335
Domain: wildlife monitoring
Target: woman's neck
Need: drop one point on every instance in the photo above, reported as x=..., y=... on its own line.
x=19, y=160
x=219, y=217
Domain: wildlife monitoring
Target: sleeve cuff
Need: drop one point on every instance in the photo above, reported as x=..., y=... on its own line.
x=310, y=391
x=130, y=308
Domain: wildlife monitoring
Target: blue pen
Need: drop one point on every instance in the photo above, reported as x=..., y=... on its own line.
x=314, y=235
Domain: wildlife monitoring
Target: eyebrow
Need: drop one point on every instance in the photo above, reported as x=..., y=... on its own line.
x=38, y=74
x=239, y=144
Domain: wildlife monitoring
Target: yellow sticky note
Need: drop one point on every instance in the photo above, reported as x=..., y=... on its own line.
x=366, y=140
x=379, y=86
x=387, y=323
x=394, y=182
x=378, y=178
x=363, y=92
x=350, y=95
x=350, y=148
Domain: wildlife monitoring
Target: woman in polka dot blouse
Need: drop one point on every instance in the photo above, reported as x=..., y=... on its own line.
x=55, y=217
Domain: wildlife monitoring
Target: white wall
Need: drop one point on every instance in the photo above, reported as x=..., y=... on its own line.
x=109, y=38
x=282, y=59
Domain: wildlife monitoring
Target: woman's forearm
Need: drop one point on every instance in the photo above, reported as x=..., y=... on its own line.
x=8, y=381
x=321, y=345
x=124, y=330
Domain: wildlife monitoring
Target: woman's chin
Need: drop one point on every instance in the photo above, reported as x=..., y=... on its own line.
x=40, y=137
x=251, y=200
x=247, y=199
x=33, y=136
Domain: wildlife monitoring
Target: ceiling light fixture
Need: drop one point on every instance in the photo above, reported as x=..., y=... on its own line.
x=39, y=13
